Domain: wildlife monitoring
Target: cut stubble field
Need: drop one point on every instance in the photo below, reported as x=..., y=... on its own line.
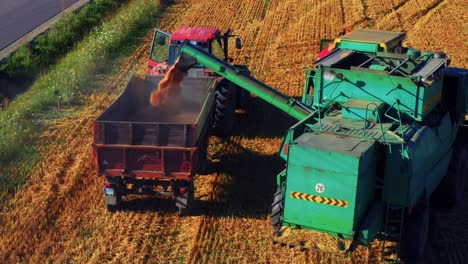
x=59, y=215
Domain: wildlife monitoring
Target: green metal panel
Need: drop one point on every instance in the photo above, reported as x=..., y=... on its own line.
x=363, y=110
x=365, y=47
x=414, y=100
x=419, y=168
x=344, y=167
x=396, y=176
x=386, y=38
x=294, y=132
x=372, y=224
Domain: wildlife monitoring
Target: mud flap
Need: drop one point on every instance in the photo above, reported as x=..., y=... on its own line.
x=111, y=199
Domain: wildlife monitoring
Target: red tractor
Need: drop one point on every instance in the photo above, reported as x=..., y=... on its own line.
x=166, y=47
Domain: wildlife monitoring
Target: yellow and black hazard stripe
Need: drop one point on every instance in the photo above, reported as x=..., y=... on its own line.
x=319, y=199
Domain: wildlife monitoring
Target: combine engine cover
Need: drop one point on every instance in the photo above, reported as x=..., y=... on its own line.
x=331, y=181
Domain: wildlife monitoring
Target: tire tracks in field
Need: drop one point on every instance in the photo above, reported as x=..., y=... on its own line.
x=205, y=235
x=408, y=9
x=427, y=13
x=206, y=243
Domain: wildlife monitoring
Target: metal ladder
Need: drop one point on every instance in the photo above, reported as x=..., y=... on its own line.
x=394, y=220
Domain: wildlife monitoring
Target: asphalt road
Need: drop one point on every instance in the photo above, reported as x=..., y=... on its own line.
x=18, y=17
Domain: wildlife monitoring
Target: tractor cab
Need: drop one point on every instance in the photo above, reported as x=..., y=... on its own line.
x=166, y=47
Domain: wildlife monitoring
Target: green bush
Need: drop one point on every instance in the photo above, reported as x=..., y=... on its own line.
x=48, y=47
x=19, y=64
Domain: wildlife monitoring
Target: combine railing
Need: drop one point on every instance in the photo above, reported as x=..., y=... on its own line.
x=396, y=120
x=377, y=120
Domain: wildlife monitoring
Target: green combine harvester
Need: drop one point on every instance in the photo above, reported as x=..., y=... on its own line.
x=377, y=141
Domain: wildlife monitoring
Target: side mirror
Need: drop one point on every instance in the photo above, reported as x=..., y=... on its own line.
x=238, y=43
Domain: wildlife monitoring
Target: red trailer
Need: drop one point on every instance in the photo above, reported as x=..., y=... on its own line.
x=142, y=149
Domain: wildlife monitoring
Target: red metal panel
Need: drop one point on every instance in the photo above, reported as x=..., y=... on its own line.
x=146, y=160
x=111, y=158
x=153, y=162
x=194, y=33
x=148, y=175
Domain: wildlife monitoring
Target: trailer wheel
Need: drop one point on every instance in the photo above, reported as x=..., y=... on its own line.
x=224, y=110
x=415, y=233
x=184, y=201
x=277, y=210
x=450, y=191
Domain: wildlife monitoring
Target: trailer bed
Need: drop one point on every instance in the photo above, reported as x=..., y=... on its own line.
x=131, y=120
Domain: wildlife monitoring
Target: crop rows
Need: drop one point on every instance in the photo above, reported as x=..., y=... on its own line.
x=59, y=215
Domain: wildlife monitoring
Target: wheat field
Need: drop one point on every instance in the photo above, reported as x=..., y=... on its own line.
x=59, y=216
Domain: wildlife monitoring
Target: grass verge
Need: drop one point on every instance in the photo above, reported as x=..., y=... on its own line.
x=66, y=82
x=47, y=48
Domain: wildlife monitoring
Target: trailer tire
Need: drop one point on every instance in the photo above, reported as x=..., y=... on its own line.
x=415, y=233
x=277, y=210
x=450, y=191
x=225, y=109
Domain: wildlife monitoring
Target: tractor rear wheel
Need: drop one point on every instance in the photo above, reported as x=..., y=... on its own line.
x=451, y=190
x=277, y=210
x=225, y=109
x=415, y=233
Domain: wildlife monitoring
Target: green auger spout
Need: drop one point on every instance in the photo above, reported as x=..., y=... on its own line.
x=192, y=55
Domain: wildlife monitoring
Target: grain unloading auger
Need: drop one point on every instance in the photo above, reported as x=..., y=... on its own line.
x=375, y=144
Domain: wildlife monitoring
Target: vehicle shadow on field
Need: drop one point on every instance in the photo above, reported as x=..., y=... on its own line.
x=448, y=237
x=138, y=203
x=252, y=175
